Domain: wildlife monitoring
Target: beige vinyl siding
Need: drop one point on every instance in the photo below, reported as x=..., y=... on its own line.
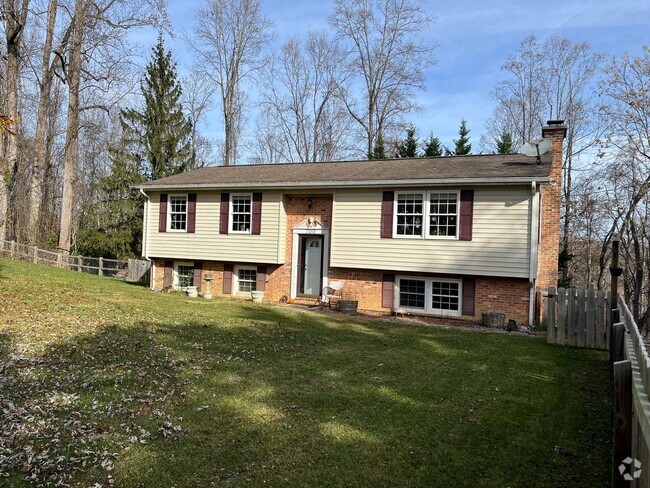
x=500, y=244
x=207, y=244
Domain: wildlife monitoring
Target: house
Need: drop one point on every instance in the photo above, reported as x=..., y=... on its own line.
x=449, y=236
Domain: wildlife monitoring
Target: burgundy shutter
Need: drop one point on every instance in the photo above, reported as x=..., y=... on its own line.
x=261, y=278
x=388, y=291
x=162, y=213
x=387, y=214
x=198, y=267
x=223, y=213
x=466, y=215
x=256, y=225
x=227, y=279
x=469, y=293
x=191, y=213
x=168, y=279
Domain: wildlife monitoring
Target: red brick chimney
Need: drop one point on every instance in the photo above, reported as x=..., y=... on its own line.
x=550, y=210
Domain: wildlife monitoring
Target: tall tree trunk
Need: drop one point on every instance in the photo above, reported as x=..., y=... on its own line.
x=71, y=152
x=47, y=73
x=15, y=15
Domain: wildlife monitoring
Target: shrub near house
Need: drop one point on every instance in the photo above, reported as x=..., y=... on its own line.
x=453, y=236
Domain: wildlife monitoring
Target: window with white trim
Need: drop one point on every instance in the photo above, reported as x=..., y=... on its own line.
x=246, y=279
x=443, y=214
x=241, y=213
x=410, y=214
x=177, y=215
x=440, y=296
x=183, y=275
x=426, y=214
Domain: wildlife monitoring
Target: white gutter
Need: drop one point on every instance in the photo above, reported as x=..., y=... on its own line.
x=145, y=240
x=534, y=247
x=354, y=184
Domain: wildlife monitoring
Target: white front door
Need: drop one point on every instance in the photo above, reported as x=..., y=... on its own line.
x=313, y=260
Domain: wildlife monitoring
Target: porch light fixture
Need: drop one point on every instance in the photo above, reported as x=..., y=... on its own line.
x=310, y=203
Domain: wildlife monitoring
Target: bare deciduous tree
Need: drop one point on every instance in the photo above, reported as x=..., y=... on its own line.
x=386, y=56
x=300, y=101
x=14, y=16
x=229, y=38
x=97, y=28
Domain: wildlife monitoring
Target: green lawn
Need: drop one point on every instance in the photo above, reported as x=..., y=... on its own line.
x=106, y=382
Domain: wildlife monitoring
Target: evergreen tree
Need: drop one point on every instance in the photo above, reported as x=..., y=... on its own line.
x=112, y=226
x=379, y=150
x=408, y=148
x=432, y=146
x=462, y=145
x=504, y=143
x=160, y=130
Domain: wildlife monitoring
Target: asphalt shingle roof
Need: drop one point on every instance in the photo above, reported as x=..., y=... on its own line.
x=487, y=168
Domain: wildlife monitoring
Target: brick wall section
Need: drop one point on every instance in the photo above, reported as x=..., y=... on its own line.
x=549, y=248
x=279, y=277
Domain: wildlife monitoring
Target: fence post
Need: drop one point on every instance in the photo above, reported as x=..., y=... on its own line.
x=59, y=260
x=550, y=315
x=618, y=342
x=622, y=410
x=101, y=265
x=35, y=255
x=615, y=271
x=12, y=248
x=79, y=263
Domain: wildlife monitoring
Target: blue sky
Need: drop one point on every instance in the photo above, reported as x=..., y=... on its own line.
x=473, y=38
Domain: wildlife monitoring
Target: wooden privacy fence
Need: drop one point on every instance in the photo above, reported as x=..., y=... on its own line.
x=577, y=318
x=132, y=270
x=631, y=405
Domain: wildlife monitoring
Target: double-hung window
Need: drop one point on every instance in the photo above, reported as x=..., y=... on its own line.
x=177, y=215
x=427, y=214
x=183, y=275
x=410, y=214
x=441, y=296
x=246, y=279
x=241, y=213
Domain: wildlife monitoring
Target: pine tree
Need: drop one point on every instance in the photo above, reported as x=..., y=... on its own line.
x=504, y=143
x=408, y=148
x=379, y=150
x=160, y=129
x=432, y=146
x=462, y=145
x=112, y=226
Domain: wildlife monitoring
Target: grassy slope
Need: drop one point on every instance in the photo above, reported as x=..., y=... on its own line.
x=267, y=395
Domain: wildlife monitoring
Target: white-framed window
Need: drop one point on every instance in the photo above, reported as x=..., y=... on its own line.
x=440, y=296
x=241, y=213
x=426, y=214
x=177, y=213
x=409, y=214
x=183, y=274
x=245, y=279
x=443, y=214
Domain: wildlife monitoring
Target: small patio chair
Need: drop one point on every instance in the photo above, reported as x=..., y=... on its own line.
x=333, y=291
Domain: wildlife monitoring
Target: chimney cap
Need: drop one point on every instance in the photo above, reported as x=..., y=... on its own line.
x=555, y=123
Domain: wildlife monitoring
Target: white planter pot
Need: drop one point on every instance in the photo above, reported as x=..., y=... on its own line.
x=192, y=291
x=257, y=296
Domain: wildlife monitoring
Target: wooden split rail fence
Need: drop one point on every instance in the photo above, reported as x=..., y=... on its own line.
x=577, y=318
x=132, y=270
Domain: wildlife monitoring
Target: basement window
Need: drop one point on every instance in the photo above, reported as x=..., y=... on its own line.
x=436, y=296
x=183, y=275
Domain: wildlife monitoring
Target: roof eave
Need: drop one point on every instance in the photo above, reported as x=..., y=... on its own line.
x=353, y=184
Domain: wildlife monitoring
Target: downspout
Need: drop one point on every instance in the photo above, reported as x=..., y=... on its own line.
x=145, y=241
x=534, y=245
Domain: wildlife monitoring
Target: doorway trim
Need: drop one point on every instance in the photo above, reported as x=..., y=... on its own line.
x=308, y=227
